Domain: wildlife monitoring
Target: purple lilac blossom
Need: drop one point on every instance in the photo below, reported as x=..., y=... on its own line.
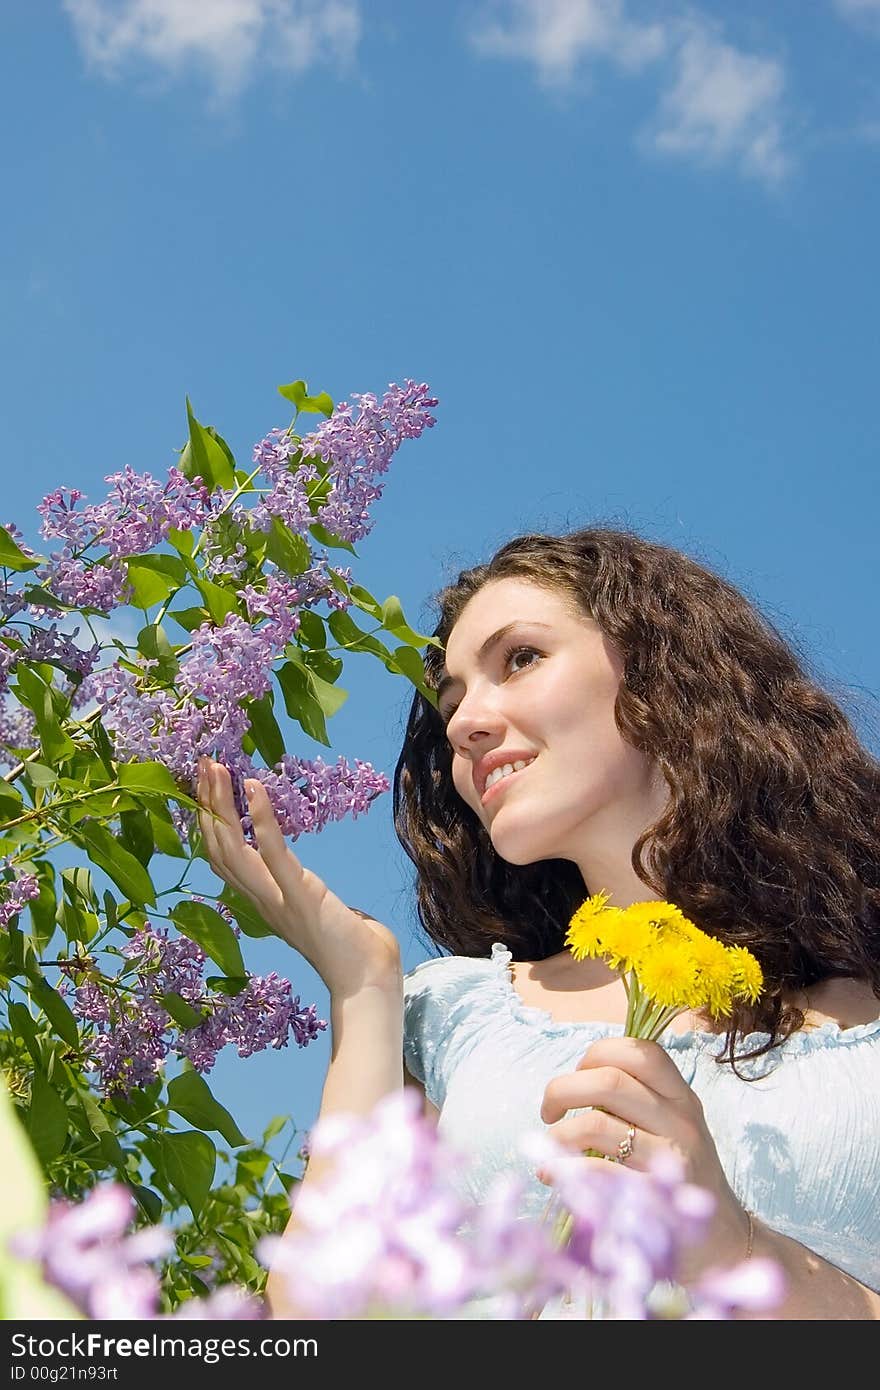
x=87, y=1252
x=18, y=730
x=84, y=1251
x=385, y=1236
x=358, y=449
x=355, y=450
x=137, y=514
x=630, y=1233
x=45, y=644
x=14, y=894
x=133, y=1034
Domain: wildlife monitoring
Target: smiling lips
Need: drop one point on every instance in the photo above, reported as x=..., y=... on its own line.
x=501, y=776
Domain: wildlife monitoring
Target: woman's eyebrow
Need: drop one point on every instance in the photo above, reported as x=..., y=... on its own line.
x=490, y=643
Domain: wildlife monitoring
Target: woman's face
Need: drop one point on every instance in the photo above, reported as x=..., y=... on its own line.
x=543, y=689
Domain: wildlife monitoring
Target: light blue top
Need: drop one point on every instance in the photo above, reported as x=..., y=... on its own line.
x=800, y=1143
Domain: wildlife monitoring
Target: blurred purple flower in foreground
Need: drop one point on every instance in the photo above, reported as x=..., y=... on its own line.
x=86, y=1251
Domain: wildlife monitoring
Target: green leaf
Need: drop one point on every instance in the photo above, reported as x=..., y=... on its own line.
x=78, y=887
x=264, y=729
x=152, y=778
x=35, y=693
x=227, y=984
x=249, y=920
x=181, y=1010
x=328, y=667
x=218, y=601
x=189, y=1096
x=330, y=539
x=352, y=637
x=11, y=803
x=22, y=1026
x=394, y=622
x=409, y=663
x=154, y=577
x=300, y=700
x=212, y=932
x=204, y=456
x=149, y=1202
x=189, y=618
x=275, y=1126
x=188, y=1162
x=298, y=393
x=47, y=1121
x=184, y=542
x=330, y=697
x=136, y=833
x=43, y=908
x=166, y=837
x=55, y=1009
x=12, y=557
x=40, y=775
x=106, y=851
x=153, y=642
x=312, y=628
x=288, y=550
x=99, y=1125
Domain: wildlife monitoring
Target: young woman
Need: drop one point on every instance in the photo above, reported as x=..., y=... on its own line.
x=613, y=717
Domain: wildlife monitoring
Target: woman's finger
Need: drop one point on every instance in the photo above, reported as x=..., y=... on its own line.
x=606, y=1088
x=232, y=858
x=282, y=864
x=646, y=1061
x=611, y=1135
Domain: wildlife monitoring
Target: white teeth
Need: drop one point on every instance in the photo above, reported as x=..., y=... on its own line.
x=507, y=768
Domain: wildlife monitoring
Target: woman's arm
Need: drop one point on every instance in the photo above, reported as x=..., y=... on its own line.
x=816, y=1289
x=365, y=1065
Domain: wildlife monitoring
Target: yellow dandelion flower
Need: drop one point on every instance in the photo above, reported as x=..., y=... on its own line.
x=658, y=913
x=716, y=973
x=584, y=930
x=667, y=975
x=748, y=977
x=624, y=939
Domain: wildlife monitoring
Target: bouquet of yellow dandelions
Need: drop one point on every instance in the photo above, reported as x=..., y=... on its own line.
x=666, y=963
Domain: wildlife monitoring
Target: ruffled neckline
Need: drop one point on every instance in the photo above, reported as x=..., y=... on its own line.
x=829, y=1034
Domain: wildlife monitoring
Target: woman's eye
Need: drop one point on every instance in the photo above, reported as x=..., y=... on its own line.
x=510, y=656
x=517, y=652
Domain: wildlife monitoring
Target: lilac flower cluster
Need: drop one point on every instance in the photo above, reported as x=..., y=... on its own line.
x=356, y=447
x=137, y=514
x=629, y=1237
x=383, y=1236
x=14, y=894
x=132, y=1033
x=17, y=731
x=306, y=795
x=387, y=1233
x=86, y=1251
x=45, y=644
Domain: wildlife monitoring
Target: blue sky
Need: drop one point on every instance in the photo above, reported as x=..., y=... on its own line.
x=632, y=248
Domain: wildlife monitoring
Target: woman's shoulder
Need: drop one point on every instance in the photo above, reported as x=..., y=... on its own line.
x=445, y=973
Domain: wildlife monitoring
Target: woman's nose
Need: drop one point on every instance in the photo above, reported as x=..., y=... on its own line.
x=474, y=717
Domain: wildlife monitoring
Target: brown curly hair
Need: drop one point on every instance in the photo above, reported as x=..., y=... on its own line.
x=771, y=835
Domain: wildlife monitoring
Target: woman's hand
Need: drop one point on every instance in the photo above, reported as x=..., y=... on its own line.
x=349, y=950
x=630, y=1082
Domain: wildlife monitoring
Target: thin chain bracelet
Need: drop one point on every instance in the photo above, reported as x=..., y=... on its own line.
x=751, y=1234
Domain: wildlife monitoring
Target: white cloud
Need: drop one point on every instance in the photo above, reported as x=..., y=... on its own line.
x=723, y=106
x=557, y=34
x=717, y=104
x=858, y=9
x=227, y=38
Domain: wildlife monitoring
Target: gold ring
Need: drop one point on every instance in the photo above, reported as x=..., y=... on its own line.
x=625, y=1147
